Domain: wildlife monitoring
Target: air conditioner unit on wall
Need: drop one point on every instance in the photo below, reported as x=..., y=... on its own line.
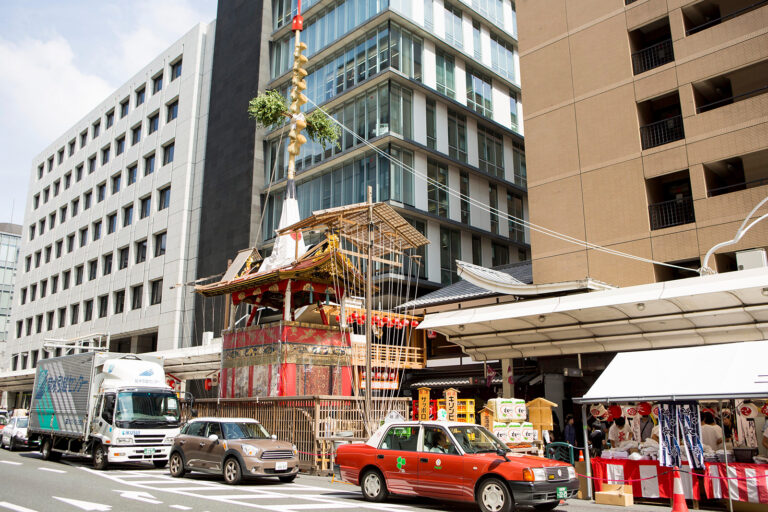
x=753, y=258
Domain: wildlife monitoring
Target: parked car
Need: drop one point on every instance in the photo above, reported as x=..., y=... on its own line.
x=453, y=461
x=14, y=435
x=234, y=447
x=3, y=421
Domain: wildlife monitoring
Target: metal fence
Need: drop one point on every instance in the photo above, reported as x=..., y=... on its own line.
x=671, y=213
x=315, y=424
x=662, y=132
x=653, y=56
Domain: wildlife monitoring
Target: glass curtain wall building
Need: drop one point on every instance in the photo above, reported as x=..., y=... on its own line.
x=428, y=94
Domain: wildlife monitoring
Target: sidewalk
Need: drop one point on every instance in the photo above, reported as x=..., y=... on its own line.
x=591, y=506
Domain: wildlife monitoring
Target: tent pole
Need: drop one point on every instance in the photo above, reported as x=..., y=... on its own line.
x=725, y=452
x=587, y=458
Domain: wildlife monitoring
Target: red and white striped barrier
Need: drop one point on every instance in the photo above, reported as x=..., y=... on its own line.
x=742, y=482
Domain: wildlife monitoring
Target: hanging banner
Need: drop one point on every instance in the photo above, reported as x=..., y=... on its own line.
x=669, y=449
x=690, y=430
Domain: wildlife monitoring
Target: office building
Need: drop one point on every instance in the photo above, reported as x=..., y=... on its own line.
x=10, y=242
x=112, y=217
x=646, y=132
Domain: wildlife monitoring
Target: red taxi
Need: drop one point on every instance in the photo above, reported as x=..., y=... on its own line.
x=453, y=461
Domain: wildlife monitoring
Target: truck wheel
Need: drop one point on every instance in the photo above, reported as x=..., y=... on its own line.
x=494, y=496
x=177, y=465
x=373, y=486
x=233, y=474
x=46, y=449
x=160, y=464
x=100, y=460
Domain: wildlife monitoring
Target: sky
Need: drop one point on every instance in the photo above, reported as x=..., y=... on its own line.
x=60, y=59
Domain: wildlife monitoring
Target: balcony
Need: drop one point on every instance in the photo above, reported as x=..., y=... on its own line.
x=389, y=356
x=653, y=57
x=710, y=13
x=736, y=174
x=662, y=132
x=671, y=213
x=732, y=87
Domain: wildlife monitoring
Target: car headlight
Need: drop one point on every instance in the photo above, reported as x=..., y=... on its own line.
x=124, y=440
x=169, y=439
x=571, y=472
x=295, y=450
x=251, y=451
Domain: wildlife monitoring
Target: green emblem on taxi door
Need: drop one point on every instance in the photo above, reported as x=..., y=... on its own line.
x=400, y=463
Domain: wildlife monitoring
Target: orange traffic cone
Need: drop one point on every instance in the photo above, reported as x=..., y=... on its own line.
x=678, y=496
x=581, y=455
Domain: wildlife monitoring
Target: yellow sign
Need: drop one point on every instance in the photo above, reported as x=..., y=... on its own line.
x=423, y=404
x=452, y=403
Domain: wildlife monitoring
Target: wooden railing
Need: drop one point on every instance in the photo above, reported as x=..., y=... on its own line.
x=389, y=356
x=315, y=424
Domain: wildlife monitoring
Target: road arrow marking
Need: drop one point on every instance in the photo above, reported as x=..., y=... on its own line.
x=85, y=505
x=52, y=470
x=139, y=496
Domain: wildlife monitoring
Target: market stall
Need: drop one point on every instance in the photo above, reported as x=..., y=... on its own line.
x=675, y=382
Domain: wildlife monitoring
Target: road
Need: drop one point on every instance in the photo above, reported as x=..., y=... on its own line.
x=28, y=483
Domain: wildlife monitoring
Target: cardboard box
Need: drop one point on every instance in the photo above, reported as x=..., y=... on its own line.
x=615, y=498
x=581, y=469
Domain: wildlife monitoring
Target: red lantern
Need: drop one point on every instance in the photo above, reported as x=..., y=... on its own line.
x=414, y=323
x=208, y=384
x=353, y=316
x=338, y=319
x=379, y=321
x=390, y=323
x=398, y=323
x=615, y=411
x=431, y=334
x=764, y=409
x=644, y=408
x=360, y=320
x=375, y=319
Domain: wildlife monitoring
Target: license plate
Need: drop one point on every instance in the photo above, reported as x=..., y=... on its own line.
x=149, y=451
x=281, y=466
x=562, y=493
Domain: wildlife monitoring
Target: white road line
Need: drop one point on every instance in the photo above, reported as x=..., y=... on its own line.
x=12, y=463
x=181, y=507
x=17, y=508
x=52, y=470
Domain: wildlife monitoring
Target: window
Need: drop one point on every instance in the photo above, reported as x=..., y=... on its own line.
x=61, y=156
x=91, y=165
x=172, y=112
x=75, y=206
x=70, y=243
x=83, y=139
x=119, y=301
x=493, y=203
x=43, y=288
x=431, y=125
x=36, y=201
x=477, y=45
x=503, y=58
x=453, y=28
x=65, y=279
x=32, y=229
x=101, y=192
x=499, y=254
x=105, y=155
x=127, y=215
x=141, y=251
x=56, y=186
x=67, y=180
x=40, y=170
x=29, y=332
x=111, y=223
x=401, y=110
x=79, y=274
x=96, y=230
x=38, y=329
x=168, y=153
x=131, y=171
x=38, y=255
x=120, y=145
x=135, y=135
x=160, y=239
x=116, y=183
x=88, y=310
x=23, y=298
x=124, y=108
x=479, y=93
x=518, y=156
x=46, y=194
x=157, y=84
x=83, y=237
x=48, y=254
x=51, y=220
x=140, y=96
x=164, y=199
x=71, y=147
x=62, y=317
x=401, y=438
x=74, y=314
x=457, y=136
x=450, y=251
x=477, y=250
x=28, y=263
x=437, y=188
x=175, y=70
x=515, y=217
x=79, y=173
x=106, y=264
x=122, y=258
x=103, y=306
x=87, y=200
x=156, y=295
x=464, y=196
x=33, y=292
x=41, y=224
x=136, y=293
x=149, y=164
x=96, y=129
x=153, y=123
x=146, y=207
x=59, y=247
x=513, y=107
x=110, y=119
x=445, y=75
x=54, y=284
x=490, y=151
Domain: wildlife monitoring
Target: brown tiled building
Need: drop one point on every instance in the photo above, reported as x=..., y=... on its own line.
x=646, y=132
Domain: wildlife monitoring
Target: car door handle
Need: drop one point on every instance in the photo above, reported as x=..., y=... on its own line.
x=202, y=444
x=182, y=442
x=424, y=459
x=379, y=456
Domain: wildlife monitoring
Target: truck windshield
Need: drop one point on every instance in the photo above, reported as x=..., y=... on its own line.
x=475, y=439
x=148, y=409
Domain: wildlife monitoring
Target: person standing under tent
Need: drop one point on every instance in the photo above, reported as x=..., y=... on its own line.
x=646, y=427
x=619, y=432
x=711, y=433
x=765, y=434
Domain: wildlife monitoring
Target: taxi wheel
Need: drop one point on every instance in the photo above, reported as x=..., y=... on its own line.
x=494, y=496
x=12, y=445
x=177, y=465
x=232, y=472
x=373, y=486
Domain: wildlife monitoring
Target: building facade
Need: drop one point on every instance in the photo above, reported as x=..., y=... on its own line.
x=646, y=132
x=10, y=243
x=427, y=91
x=112, y=215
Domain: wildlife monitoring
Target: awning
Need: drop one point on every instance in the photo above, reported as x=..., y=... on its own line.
x=447, y=382
x=735, y=370
x=711, y=309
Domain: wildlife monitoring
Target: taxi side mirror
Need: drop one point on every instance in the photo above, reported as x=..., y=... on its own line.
x=502, y=453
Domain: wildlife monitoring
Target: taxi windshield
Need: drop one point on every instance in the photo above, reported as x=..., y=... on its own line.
x=476, y=439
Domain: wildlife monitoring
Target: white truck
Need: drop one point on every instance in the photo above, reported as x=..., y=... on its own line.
x=111, y=407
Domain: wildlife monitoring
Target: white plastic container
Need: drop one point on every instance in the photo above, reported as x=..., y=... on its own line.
x=528, y=432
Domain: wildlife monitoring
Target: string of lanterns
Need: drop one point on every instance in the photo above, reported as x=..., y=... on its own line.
x=380, y=320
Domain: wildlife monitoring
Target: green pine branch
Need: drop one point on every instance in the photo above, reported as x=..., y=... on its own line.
x=270, y=108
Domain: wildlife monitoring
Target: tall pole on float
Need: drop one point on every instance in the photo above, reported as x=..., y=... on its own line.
x=298, y=123
x=368, y=315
